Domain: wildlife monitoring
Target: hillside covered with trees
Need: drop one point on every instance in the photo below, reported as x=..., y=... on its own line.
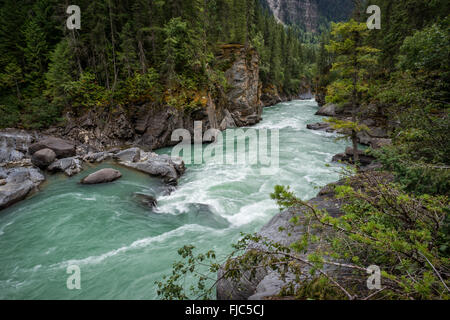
x=127, y=51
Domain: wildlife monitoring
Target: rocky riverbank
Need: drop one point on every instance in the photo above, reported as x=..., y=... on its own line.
x=379, y=128
x=265, y=283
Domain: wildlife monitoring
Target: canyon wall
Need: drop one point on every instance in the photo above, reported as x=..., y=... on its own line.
x=150, y=126
x=308, y=14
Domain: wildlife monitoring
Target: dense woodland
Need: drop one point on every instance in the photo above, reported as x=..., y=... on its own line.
x=165, y=51
x=133, y=50
x=395, y=217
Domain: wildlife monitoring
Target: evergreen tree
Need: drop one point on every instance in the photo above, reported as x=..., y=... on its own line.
x=353, y=60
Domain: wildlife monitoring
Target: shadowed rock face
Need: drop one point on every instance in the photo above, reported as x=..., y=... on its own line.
x=308, y=14
x=102, y=176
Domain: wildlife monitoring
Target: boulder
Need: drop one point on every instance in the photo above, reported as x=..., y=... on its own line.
x=328, y=110
x=364, y=138
x=43, y=158
x=102, y=176
x=146, y=200
x=70, y=166
x=19, y=183
x=62, y=148
x=380, y=142
x=129, y=155
x=318, y=126
x=163, y=166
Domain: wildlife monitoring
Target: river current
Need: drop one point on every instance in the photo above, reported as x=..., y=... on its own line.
x=122, y=247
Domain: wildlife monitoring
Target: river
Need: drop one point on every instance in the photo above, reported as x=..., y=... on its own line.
x=123, y=247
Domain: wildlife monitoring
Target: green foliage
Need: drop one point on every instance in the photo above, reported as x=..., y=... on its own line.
x=86, y=93
x=143, y=51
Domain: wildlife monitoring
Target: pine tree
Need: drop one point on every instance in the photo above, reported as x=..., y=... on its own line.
x=353, y=60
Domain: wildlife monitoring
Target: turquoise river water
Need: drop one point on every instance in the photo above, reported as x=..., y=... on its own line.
x=123, y=247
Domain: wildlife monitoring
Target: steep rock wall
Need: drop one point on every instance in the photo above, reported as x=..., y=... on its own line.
x=151, y=126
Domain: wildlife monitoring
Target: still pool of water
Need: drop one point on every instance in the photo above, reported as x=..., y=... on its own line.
x=122, y=247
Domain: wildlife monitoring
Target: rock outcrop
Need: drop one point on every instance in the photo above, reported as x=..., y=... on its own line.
x=328, y=110
x=265, y=282
x=17, y=184
x=308, y=14
x=102, y=176
x=168, y=168
x=14, y=144
x=69, y=166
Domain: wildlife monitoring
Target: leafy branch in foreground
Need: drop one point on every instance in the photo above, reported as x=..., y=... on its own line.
x=406, y=236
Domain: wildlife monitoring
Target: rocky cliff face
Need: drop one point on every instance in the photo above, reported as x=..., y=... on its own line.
x=309, y=13
x=150, y=126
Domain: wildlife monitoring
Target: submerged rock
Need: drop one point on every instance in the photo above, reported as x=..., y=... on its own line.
x=62, y=148
x=18, y=184
x=70, y=166
x=146, y=200
x=318, y=126
x=43, y=158
x=102, y=176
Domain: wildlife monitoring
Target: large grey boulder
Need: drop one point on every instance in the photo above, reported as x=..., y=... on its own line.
x=62, y=148
x=70, y=166
x=168, y=168
x=19, y=183
x=102, y=176
x=146, y=200
x=43, y=158
x=328, y=110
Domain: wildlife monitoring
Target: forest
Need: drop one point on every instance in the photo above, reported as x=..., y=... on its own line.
x=133, y=50
x=395, y=215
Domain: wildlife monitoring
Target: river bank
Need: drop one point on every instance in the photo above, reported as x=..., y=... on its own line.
x=112, y=236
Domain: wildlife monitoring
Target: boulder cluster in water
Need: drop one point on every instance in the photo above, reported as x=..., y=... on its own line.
x=24, y=157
